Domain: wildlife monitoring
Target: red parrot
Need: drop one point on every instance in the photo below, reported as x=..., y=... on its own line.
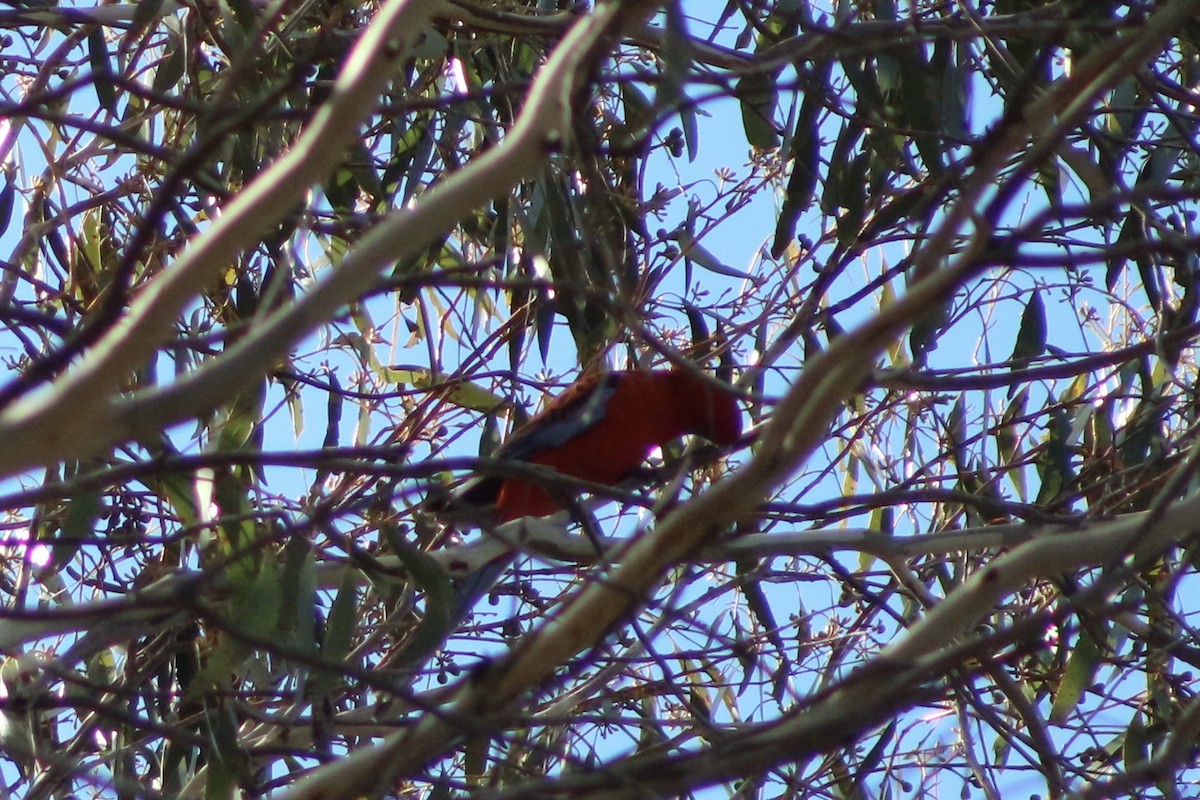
x=600, y=429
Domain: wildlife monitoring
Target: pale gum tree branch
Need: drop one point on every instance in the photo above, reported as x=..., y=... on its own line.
x=1096, y=544
x=915, y=662
x=81, y=412
x=544, y=124
x=117, y=15
x=546, y=539
x=551, y=541
x=796, y=429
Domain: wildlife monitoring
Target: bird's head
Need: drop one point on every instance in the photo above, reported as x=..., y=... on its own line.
x=711, y=410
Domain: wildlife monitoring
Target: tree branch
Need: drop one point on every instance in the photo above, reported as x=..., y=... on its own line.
x=80, y=413
x=795, y=430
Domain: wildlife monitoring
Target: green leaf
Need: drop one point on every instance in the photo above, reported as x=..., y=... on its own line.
x=1049, y=177
x=239, y=421
x=1054, y=459
x=837, y=182
x=1135, y=744
x=1142, y=434
x=342, y=190
x=677, y=54
x=1131, y=231
x=430, y=45
x=257, y=605
x=919, y=107
x=923, y=338
x=362, y=430
x=237, y=538
x=407, y=138
x=339, y=633
x=440, y=601
x=462, y=393
x=144, y=13
x=1008, y=441
x=8, y=194
x=689, y=119
x=91, y=234
x=699, y=704
x=805, y=153
x=1166, y=153
x=177, y=490
x=298, y=594
x=227, y=762
x=956, y=94
x=52, y=239
x=854, y=199
x=956, y=431
x=78, y=525
x=1125, y=111
x=420, y=155
x=1031, y=337
x=106, y=91
x=295, y=403
x=756, y=93
x=887, y=73
x=333, y=412
x=871, y=102
x=544, y=327
x=245, y=14
x=756, y=601
x=1077, y=678
x=693, y=251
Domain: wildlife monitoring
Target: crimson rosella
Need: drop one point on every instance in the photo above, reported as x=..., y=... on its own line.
x=599, y=429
